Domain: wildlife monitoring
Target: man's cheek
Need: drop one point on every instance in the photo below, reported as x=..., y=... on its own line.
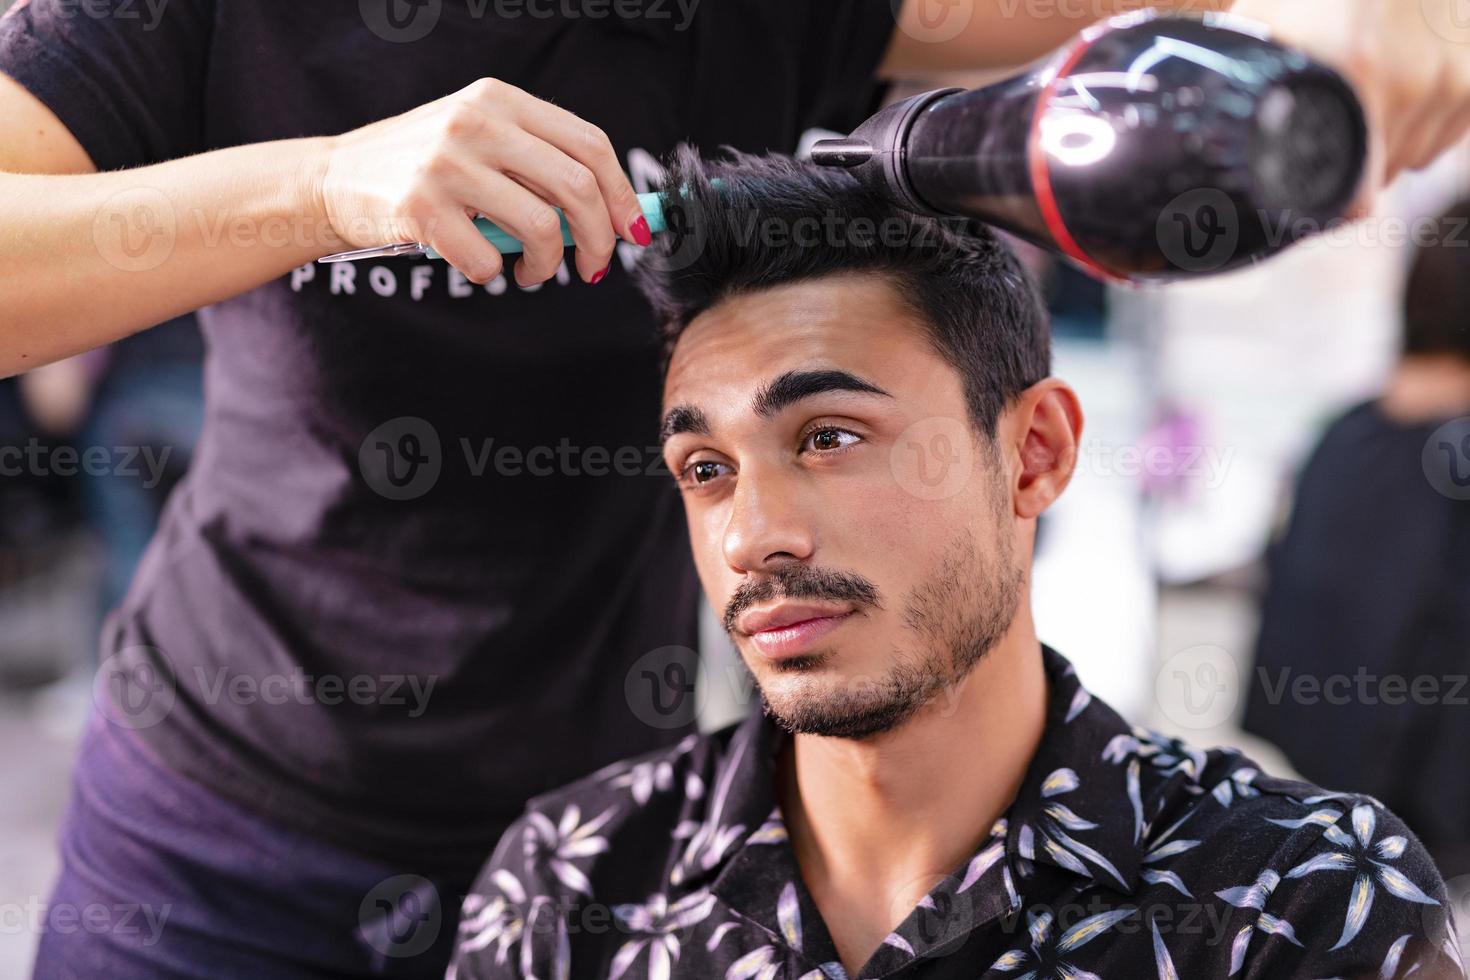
x=873, y=522
x=933, y=459
x=706, y=542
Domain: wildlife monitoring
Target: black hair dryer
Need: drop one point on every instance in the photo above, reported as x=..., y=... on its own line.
x=1151, y=148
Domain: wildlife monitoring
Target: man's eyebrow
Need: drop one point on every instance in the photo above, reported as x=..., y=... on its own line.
x=793, y=386
x=682, y=418
x=770, y=398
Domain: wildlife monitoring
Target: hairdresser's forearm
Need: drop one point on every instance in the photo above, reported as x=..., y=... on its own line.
x=88, y=259
x=1001, y=33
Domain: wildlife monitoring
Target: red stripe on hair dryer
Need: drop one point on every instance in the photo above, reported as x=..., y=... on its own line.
x=1151, y=148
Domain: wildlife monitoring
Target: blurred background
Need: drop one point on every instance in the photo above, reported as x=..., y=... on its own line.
x=1255, y=442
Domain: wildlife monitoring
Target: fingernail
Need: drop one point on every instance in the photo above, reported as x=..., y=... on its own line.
x=600, y=276
x=641, y=234
x=516, y=271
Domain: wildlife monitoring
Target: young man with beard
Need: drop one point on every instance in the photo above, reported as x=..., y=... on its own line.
x=864, y=432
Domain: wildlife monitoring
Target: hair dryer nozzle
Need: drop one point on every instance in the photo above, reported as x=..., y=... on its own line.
x=874, y=152
x=841, y=153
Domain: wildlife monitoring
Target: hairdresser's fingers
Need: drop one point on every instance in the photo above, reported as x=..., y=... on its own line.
x=591, y=147
x=1406, y=58
x=567, y=183
x=1412, y=146
x=453, y=235
x=519, y=211
x=1445, y=130
x=1375, y=168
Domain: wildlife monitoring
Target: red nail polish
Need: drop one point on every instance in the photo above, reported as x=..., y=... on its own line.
x=641, y=234
x=600, y=276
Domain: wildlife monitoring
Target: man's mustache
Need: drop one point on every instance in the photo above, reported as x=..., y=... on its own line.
x=795, y=581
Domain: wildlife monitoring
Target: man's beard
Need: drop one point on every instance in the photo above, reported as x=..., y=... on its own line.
x=956, y=617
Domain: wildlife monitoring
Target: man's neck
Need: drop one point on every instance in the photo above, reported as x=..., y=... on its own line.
x=876, y=823
x=1425, y=387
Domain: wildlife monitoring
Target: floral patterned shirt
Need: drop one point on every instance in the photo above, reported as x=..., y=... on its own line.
x=1126, y=854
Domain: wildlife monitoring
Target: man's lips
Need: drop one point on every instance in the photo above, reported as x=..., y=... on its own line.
x=791, y=628
x=784, y=614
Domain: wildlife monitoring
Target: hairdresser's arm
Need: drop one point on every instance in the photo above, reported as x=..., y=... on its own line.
x=87, y=258
x=966, y=35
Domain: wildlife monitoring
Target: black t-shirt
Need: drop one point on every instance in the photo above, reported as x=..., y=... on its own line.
x=405, y=479
x=1360, y=662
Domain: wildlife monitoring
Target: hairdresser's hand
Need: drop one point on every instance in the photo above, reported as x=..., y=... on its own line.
x=490, y=149
x=1410, y=60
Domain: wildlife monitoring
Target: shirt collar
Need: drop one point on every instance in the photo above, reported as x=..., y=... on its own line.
x=1078, y=811
x=1079, y=806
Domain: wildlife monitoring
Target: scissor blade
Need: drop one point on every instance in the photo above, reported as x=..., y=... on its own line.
x=380, y=252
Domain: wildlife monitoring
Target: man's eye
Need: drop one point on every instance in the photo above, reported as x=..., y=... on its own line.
x=702, y=471
x=826, y=440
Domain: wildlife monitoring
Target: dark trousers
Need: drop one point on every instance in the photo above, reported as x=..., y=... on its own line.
x=164, y=880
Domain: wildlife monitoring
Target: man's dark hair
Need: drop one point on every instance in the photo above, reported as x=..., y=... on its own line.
x=1437, y=300
x=772, y=220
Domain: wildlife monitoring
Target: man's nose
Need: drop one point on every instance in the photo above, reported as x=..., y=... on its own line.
x=768, y=524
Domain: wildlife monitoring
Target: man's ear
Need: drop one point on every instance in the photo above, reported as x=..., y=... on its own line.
x=1044, y=428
